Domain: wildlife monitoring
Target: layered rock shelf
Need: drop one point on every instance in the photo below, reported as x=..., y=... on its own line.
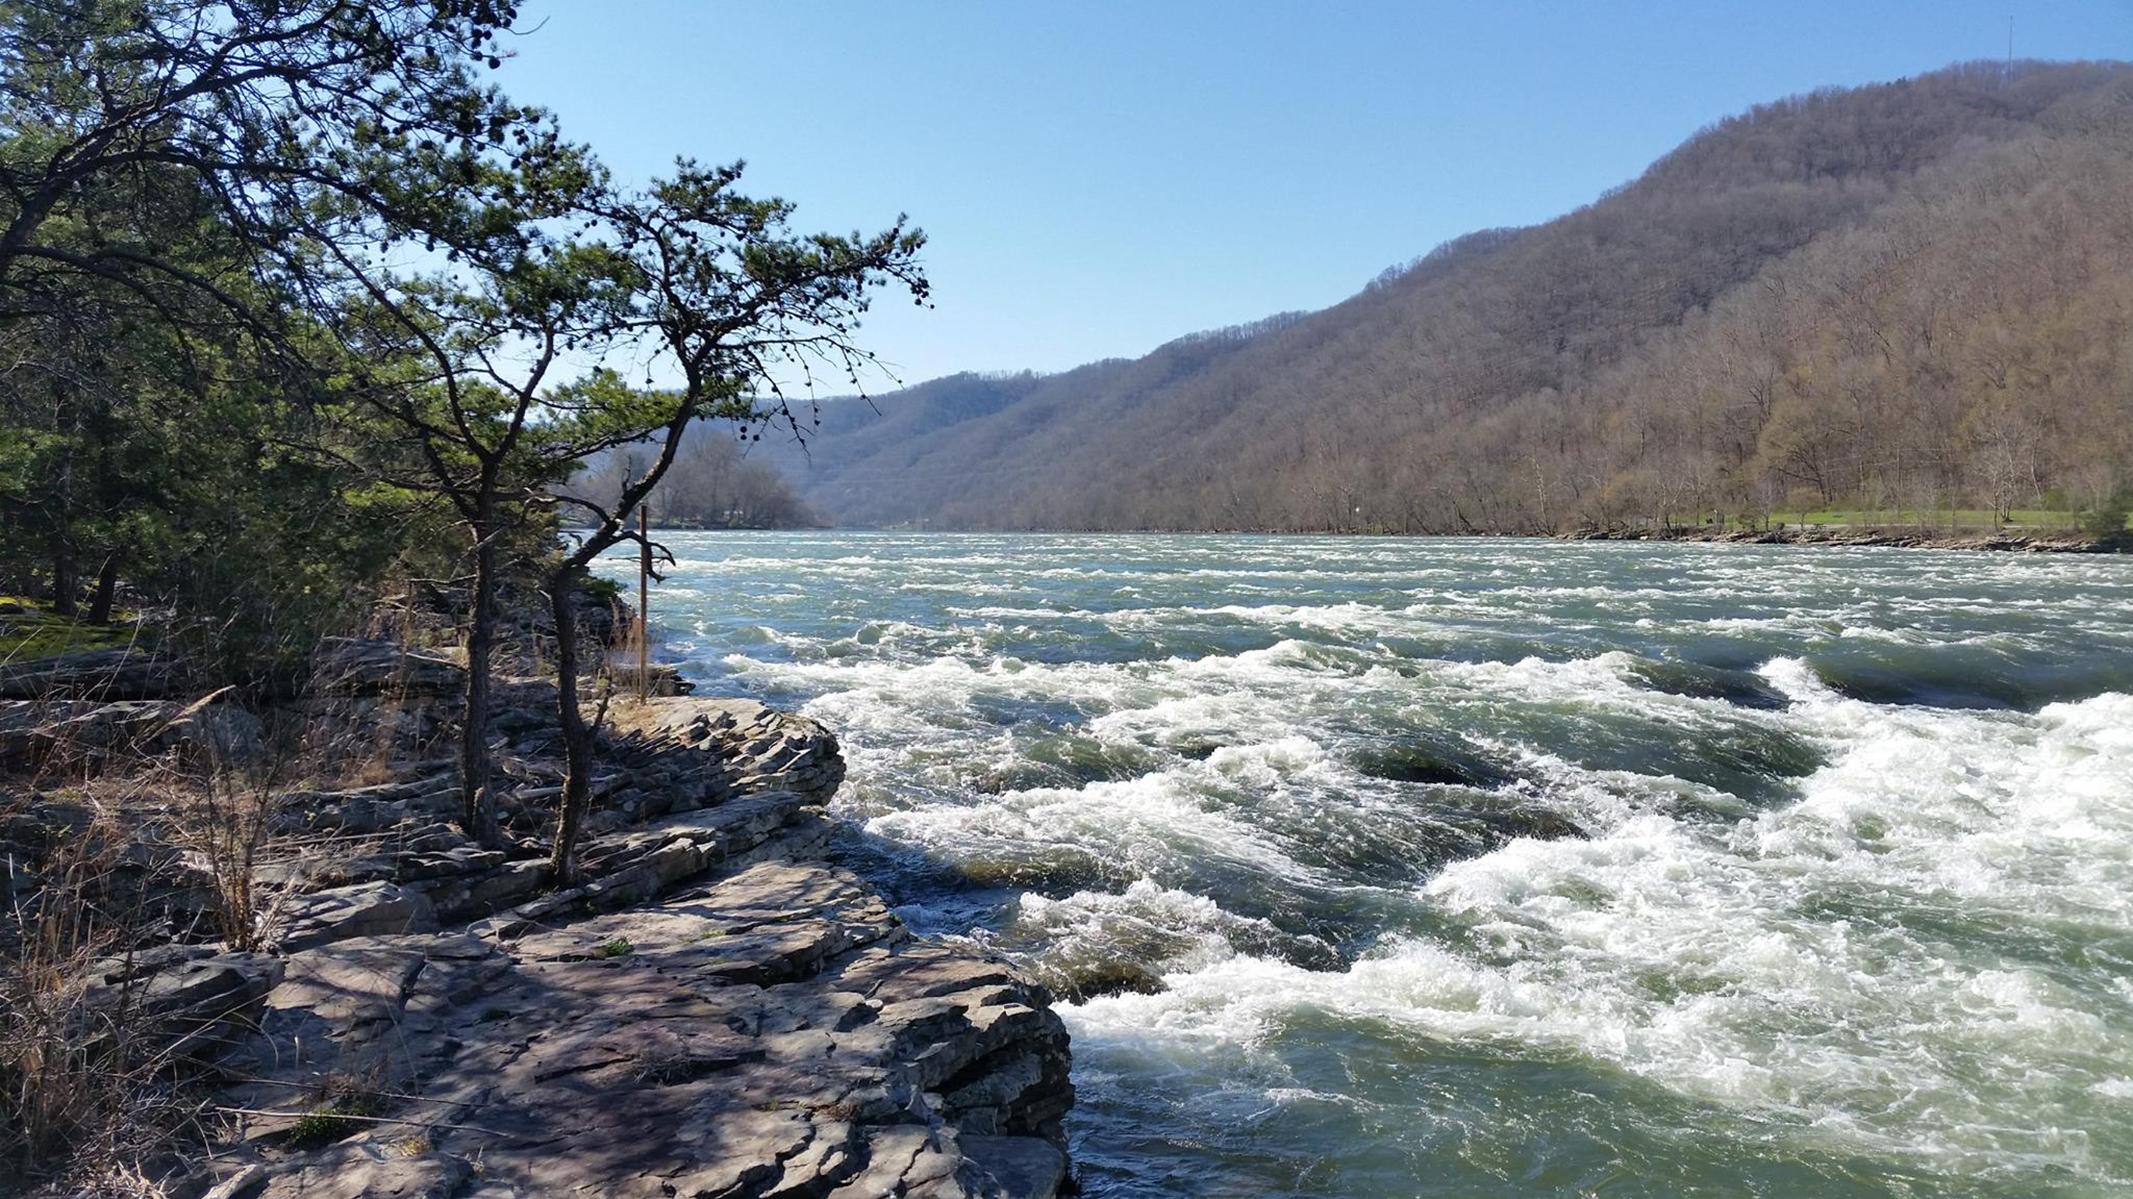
x=711, y=1011
x=773, y=1032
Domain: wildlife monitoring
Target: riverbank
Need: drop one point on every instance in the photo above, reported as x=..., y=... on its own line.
x=2053, y=541
x=712, y=1010
x=1829, y=535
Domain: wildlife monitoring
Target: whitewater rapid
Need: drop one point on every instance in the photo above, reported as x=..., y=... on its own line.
x=1397, y=868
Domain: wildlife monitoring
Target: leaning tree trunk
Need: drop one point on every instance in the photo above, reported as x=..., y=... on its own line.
x=477, y=803
x=577, y=734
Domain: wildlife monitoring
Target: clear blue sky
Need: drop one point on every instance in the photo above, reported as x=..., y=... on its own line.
x=1098, y=178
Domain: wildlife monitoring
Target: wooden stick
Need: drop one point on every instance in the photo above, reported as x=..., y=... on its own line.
x=253, y=1111
x=644, y=603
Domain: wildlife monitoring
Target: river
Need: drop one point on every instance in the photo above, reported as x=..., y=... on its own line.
x=1497, y=867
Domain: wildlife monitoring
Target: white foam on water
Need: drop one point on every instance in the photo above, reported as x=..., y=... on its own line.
x=1792, y=965
x=1163, y=927
x=1145, y=826
x=1897, y=963
x=1011, y=612
x=1602, y=683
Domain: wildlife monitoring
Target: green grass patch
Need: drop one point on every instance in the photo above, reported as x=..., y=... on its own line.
x=30, y=629
x=613, y=949
x=323, y=1125
x=337, y=1115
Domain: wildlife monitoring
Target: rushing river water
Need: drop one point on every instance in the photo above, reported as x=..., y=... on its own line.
x=1399, y=868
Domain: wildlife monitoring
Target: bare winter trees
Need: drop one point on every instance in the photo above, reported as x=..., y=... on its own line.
x=1907, y=299
x=714, y=484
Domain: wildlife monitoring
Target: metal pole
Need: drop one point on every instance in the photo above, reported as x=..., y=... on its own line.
x=644, y=602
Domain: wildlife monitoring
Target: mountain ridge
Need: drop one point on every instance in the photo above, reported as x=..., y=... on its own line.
x=1905, y=295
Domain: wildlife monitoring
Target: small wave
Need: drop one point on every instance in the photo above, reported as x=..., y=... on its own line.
x=1824, y=854
x=1715, y=961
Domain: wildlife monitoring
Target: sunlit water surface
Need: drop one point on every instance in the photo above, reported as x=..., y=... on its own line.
x=1402, y=868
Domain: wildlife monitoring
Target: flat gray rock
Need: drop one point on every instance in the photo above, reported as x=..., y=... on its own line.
x=362, y=910
x=776, y=1032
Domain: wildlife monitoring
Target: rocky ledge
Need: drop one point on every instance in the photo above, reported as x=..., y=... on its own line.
x=711, y=1011
x=773, y=1032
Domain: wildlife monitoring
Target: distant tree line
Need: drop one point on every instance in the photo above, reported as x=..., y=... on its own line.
x=1912, y=299
x=712, y=484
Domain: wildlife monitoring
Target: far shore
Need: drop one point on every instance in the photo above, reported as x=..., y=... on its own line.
x=2012, y=539
x=2006, y=540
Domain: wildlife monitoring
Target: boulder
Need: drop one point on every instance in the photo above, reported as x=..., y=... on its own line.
x=704, y=1013
x=191, y=1000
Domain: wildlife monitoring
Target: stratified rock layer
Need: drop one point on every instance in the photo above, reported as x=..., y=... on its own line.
x=706, y=1014
x=777, y=1032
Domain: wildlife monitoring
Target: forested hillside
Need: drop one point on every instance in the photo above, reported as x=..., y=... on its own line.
x=712, y=484
x=1907, y=297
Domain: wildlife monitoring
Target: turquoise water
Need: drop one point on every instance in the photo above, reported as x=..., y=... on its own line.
x=1451, y=868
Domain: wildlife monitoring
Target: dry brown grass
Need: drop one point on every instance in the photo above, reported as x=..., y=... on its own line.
x=109, y=848
x=224, y=823
x=106, y=858
x=81, y=1082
